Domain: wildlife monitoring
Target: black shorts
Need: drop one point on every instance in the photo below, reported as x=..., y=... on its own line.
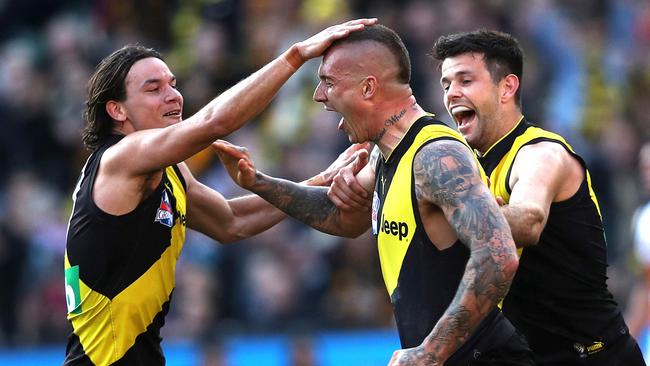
x=497, y=342
x=623, y=352
x=515, y=353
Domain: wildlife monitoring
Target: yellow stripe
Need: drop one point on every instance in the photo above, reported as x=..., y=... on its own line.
x=108, y=329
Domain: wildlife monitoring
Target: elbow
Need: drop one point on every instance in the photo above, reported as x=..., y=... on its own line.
x=528, y=227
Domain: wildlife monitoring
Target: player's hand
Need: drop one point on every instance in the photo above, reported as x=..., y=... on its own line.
x=237, y=162
x=416, y=356
x=344, y=159
x=318, y=43
x=346, y=192
x=500, y=201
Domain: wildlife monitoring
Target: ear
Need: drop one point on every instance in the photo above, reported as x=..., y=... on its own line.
x=509, y=87
x=369, y=86
x=116, y=110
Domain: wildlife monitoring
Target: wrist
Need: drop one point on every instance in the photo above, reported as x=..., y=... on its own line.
x=292, y=58
x=315, y=181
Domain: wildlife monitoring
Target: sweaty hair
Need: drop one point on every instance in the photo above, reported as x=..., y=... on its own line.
x=387, y=37
x=106, y=84
x=502, y=52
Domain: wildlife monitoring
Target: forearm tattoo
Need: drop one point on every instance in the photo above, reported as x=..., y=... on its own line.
x=446, y=176
x=305, y=203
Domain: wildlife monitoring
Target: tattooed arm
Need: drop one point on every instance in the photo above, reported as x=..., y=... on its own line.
x=447, y=176
x=306, y=203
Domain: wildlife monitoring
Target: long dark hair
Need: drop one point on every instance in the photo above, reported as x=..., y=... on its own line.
x=107, y=83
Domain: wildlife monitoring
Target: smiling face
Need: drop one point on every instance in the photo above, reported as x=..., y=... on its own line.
x=152, y=100
x=472, y=98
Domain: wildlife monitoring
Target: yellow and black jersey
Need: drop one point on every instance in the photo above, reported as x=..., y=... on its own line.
x=421, y=280
x=119, y=271
x=559, y=297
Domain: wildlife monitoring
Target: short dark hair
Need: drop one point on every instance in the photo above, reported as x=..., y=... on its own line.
x=503, y=53
x=387, y=37
x=108, y=83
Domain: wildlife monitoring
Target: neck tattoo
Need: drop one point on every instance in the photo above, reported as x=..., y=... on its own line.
x=395, y=118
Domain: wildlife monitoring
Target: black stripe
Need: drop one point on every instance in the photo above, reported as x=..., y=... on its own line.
x=491, y=159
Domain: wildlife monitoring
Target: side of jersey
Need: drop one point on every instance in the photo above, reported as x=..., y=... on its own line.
x=420, y=279
x=119, y=271
x=559, y=295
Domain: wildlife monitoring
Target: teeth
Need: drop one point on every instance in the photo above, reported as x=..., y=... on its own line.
x=460, y=109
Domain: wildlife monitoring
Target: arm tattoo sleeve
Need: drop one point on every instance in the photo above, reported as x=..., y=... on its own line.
x=446, y=175
x=305, y=203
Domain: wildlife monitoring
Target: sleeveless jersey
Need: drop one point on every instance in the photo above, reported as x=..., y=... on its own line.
x=119, y=271
x=559, y=297
x=421, y=280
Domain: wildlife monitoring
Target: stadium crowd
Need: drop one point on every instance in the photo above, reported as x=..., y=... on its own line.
x=587, y=77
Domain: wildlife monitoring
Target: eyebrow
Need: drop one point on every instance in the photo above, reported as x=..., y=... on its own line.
x=455, y=75
x=156, y=81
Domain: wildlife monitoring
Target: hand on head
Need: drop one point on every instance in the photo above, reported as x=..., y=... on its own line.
x=237, y=162
x=317, y=44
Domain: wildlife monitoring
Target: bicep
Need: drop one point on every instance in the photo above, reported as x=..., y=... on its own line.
x=144, y=151
x=208, y=212
x=447, y=176
x=536, y=176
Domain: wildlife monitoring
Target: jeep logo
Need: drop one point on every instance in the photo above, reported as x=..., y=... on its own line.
x=399, y=229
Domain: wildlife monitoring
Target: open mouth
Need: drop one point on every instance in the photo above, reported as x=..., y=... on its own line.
x=174, y=113
x=463, y=115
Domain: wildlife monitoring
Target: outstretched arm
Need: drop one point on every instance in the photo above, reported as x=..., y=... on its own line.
x=307, y=204
x=447, y=176
x=161, y=147
x=239, y=218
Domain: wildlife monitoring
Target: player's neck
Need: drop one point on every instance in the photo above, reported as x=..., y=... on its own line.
x=396, y=122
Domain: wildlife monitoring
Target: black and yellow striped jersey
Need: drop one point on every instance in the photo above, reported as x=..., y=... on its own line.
x=559, y=296
x=119, y=271
x=421, y=279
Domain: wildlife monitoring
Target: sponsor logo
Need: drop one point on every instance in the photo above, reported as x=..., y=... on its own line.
x=395, y=228
x=165, y=214
x=72, y=293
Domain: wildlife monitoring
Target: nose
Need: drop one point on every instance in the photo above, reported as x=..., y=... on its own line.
x=453, y=92
x=319, y=94
x=173, y=95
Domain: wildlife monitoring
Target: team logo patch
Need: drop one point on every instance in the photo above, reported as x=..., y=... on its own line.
x=375, y=211
x=165, y=215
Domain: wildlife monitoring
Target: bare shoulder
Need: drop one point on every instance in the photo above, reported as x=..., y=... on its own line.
x=548, y=166
x=445, y=171
x=544, y=153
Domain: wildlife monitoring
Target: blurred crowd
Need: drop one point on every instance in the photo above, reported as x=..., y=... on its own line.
x=587, y=76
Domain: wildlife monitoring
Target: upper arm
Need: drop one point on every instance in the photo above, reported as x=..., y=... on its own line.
x=205, y=207
x=447, y=176
x=145, y=151
x=540, y=174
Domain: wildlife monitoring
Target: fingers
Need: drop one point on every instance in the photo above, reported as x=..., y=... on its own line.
x=225, y=147
x=364, y=21
x=346, y=192
x=393, y=360
x=359, y=162
x=500, y=201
